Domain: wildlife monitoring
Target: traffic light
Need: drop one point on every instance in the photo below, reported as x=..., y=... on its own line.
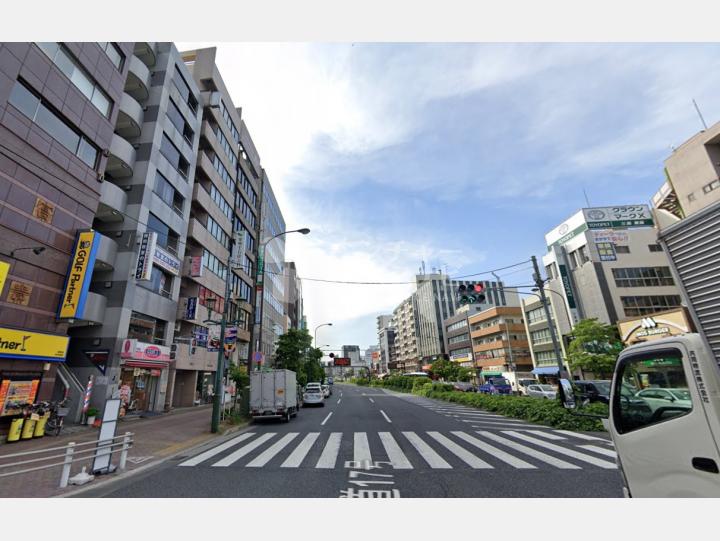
x=471, y=294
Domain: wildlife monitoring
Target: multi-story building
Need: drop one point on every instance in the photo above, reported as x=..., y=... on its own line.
x=372, y=358
x=406, y=342
x=126, y=343
x=386, y=339
x=352, y=353
x=692, y=175
x=537, y=329
x=60, y=105
x=458, y=344
x=499, y=343
x=293, y=296
x=218, y=226
x=437, y=300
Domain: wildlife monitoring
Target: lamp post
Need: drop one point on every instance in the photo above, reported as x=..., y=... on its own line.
x=260, y=286
x=37, y=250
x=316, y=330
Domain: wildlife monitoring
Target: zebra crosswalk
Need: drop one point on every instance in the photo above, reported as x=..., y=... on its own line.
x=409, y=450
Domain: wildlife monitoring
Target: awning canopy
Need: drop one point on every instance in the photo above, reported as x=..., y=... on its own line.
x=545, y=370
x=132, y=363
x=490, y=373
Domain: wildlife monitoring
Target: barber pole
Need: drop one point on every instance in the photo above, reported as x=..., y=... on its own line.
x=88, y=394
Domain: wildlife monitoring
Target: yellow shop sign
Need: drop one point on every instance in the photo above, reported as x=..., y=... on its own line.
x=32, y=346
x=77, y=283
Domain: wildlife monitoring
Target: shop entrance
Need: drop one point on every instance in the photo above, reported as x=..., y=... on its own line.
x=138, y=388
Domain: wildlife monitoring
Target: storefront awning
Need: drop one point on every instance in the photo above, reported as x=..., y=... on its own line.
x=131, y=363
x=490, y=373
x=545, y=370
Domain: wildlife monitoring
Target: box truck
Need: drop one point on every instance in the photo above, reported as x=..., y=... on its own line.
x=273, y=394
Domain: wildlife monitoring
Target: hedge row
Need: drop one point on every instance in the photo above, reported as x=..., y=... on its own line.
x=534, y=410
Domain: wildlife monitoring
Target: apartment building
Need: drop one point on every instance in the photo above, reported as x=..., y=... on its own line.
x=458, y=344
x=293, y=297
x=59, y=107
x=386, y=340
x=372, y=358
x=500, y=343
x=537, y=329
x=406, y=342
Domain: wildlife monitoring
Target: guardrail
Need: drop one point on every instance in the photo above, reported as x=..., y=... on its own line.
x=71, y=453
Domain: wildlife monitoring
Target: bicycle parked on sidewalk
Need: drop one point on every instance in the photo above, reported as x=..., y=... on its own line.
x=58, y=412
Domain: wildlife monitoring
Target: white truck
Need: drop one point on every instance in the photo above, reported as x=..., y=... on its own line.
x=665, y=398
x=273, y=394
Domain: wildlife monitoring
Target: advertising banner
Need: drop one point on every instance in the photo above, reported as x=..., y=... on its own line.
x=191, y=308
x=166, y=261
x=77, y=282
x=16, y=395
x=196, y=266
x=143, y=270
x=32, y=346
x=213, y=343
x=4, y=269
x=201, y=337
x=568, y=288
x=621, y=216
x=610, y=235
x=133, y=349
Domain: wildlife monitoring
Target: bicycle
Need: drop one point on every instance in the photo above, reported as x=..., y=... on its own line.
x=58, y=412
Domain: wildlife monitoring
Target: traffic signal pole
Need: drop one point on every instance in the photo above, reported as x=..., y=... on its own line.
x=540, y=283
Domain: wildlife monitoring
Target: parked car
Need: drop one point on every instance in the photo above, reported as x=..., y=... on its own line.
x=495, y=385
x=326, y=390
x=542, y=391
x=463, y=386
x=523, y=385
x=313, y=394
x=593, y=391
x=662, y=398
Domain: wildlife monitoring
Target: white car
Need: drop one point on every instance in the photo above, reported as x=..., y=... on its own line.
x=326, y=390
x=542, y=391
x=663, y=398
x=313, y=394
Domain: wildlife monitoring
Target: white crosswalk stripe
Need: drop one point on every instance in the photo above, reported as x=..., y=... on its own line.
x=530, y=451
x=498, y=423
x=362, y=448
x=394, y=453
x=330, y=452
x=563, y=451
x=601, y=450
x=433, y=459
x=466, y=456
x=301, y=451
x=547, y=435
x=216, y=450
x=245, y=449
x=267, y=455
x=580, y=436
x=494, y=451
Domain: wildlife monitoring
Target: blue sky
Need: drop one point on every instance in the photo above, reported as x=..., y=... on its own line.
x=463, y=155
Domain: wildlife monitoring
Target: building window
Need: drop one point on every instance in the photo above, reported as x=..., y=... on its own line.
x=205, y=294
x=220, y=201
x=213, y=264
x=714, y=185
x=66, y=62
x=655, y=247
x=641, y=306
x=457, y=326
x=536, y=315
x=114, y=54
x=227, y=147
x=224, y=175
x=622, y=249
x=166, y=237
x=160, y=282
x=691, y=197
x=169, y=194
x=218, y=233
x=241, y=288
x=460, y=338
x=247, y=186
x=42, y=114
x=146, y=328
x=643, y=277
x=173, y=155
x=229, y=122
x=546, y=358
x=178, y=120
x=184, y=89
x=542, y=336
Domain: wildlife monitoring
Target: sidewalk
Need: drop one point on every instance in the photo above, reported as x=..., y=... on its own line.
x=155, y=438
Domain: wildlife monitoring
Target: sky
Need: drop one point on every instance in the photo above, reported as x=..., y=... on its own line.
x=459, y=155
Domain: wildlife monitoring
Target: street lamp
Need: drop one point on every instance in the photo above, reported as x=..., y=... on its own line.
x=316, y=330
x=37, y=250
x=259, y=285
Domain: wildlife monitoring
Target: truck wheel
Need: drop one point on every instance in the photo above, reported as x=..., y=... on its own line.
x=287, y=416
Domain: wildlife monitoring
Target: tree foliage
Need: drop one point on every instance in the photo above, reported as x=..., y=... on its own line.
x=450, y=371
x=594, y=348
x=294, y=352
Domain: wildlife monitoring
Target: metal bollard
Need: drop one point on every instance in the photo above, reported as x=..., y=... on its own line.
x=67, y=464
x=124, y=452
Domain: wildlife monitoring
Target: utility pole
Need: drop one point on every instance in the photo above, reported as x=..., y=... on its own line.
x=219, y=387
x=539, y=282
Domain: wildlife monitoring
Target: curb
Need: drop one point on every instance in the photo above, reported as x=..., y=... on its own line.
x=129, y=473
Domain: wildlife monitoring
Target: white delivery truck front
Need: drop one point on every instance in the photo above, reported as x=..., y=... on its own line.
x=273, y=394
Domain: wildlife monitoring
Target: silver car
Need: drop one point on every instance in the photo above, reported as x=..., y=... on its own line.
x=313, y=394
x=542, y=391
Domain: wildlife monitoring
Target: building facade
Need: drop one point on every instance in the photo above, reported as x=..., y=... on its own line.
x=60, y=105
x=500, y=344
x=537, y=329
x=406, y=341
x=293, y=297
x=386, y=341
x=458, y=344
x=372, y=358
x=353, y=353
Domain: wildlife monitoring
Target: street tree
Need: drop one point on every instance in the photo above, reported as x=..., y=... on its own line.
x=594, y=348
x=291, y=349
x=447, y=370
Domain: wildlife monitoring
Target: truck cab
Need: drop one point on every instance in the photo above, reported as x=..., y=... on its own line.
x=495, y=385
x=665, y=418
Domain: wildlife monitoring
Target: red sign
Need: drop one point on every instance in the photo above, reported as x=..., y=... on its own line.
x=132, y=349
x=341, y=361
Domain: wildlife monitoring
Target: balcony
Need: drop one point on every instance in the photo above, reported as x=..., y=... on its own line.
x=130, y=117
x=145, y=51
x=138, y=79
x=121, y=160
x=667, y=199
x=106, y=254
x=94, y=312
x=113, y=203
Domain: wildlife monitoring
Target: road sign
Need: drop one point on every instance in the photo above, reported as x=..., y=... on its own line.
x=258, y=357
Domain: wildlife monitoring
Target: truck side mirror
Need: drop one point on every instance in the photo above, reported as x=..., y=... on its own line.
x=567, y=395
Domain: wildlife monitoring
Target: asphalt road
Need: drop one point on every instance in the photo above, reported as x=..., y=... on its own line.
x=370, y=442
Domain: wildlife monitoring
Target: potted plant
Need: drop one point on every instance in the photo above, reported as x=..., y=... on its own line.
x=91, y=414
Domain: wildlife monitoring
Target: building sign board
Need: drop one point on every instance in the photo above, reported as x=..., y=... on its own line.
x=620, y=216
x=134, y=349
x=4, y=270
x=35, y=346
x=14, y=395
x=196, y=266
x=143, y=270
x=654, y=326
x=77, y=282
x=19, y=293
x=341, y=361
x=565, y=277
x=166, y=261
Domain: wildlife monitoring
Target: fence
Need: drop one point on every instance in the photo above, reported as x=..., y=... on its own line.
x=71, y=453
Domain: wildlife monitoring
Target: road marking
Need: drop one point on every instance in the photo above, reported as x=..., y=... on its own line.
x=339, y=399
x=494, y=451
x=301, y=451
x=271, y=451
x=394, y=453
x=386, y=417
x=433, y=459
x=326, y=418
x=579, y=435
x=547, y=435
x=463, y=454
x=507, y=422
x=530, y=451
x=330, y=452
x=362, y=448
x=237, y=455
x=216, y=450
x=601, y=450
x=371, y=400
x=569, y=452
